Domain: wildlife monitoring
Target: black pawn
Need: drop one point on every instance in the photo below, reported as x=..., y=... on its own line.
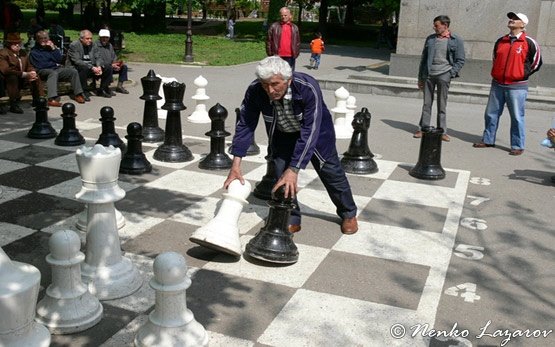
x=173, y=150
x=253, y=148
x=428, y=166
x=358, y=158
x=151, y=85
x=274, y=243
x=217, y=158
x=108, y=136
x=41, y=129
x=134, y=161
x=263, y=189
x=69, y=135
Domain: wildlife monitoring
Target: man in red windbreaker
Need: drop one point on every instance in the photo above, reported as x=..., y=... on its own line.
x=516, y=57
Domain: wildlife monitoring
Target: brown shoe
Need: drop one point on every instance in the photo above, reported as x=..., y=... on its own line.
x=79, y=98
x=417, y=134
x=516, y=152
x=54, y=103
x=294, y=228
x=349, y=226
x=482, y=145
x=445, y=138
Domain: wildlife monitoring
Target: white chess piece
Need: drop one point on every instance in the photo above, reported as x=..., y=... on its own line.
x=200, y=115
x=340, y=111
x=107, y=273
x=67, y=306
x=19, y=289
x=82, y=220
x=222, y=232
x=171, y=323
x=345, y=131
x=162, y=114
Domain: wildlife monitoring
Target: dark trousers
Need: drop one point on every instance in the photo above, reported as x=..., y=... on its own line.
x=14, y=85
x=331, y=174
x=442, y=83
x=105, y=78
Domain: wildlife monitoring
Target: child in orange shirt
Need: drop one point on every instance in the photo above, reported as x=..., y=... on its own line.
x=316, y=47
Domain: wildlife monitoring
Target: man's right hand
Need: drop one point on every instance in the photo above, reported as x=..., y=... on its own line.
x=420, y=85
x=234, y=173
x=97, y=70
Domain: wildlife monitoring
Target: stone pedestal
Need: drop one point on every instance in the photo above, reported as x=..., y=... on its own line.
x=200, y=115
x=151, y=85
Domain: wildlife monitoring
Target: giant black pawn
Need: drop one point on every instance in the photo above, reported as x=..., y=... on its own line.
x=41, y=129
x=253, y=148
x=151, y=85
x=358, y=158
x=428, y=166
x=274, y=243
x=134, y=161
x=217, y=158
x=263, y=189
x=173, y=150
x=69, y=135
x=108, y=136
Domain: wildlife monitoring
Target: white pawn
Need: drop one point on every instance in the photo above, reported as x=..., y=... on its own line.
x=171, y=323
x=346, y=130
x=19, y=289
x=200, y=115
x=162, y=114
x=340, y=112
x=67, y=306
x=222, y=232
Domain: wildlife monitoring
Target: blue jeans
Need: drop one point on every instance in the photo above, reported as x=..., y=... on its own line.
x=316, y=58
x=515, y=99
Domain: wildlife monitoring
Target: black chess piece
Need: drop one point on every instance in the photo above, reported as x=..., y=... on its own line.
x=41, y=129
x=428, y=166
x=358, y=158
x=217, y=159
x=274, y=243
x=108, y=136
x=173, y=150
x=263, y=189
x=253, y=148
x=69, y=135
x=134, y=161
x=151, y=85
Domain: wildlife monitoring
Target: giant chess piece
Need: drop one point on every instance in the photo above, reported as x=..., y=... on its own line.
x=173, y=150
x=217, y=159
x=67, y=306
x=428, y=166
x=69, y=135
x=171, y=323
x=151, y=85
x=19, y=289
x=200, y=115
x=253, y=148
x=274, y=243
x=358, y=158
x=107, y=273
x=108, y=136
x=263, y=189
x=222, y=232
x=342, y=128
x=134, y=161
x=41, y=129
x=81, y=223
x=162, y=113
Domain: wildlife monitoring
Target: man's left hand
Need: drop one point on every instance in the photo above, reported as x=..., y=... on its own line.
x=289, y=180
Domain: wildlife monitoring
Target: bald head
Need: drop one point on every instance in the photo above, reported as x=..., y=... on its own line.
x=285, y=15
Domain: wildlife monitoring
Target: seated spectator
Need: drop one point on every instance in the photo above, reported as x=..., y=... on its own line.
x=16, y=71
x=47, y=60
x=3, y=109
x=107, y=59
x=82, y=56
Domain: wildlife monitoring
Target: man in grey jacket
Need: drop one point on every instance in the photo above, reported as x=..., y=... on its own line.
x=442, y=59
x=106, y=58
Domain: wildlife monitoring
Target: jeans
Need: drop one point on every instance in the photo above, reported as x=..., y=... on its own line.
x=315, y=57
x=516, y=101
x=442, y=83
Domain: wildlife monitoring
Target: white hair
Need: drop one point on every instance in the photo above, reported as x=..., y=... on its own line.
x=271, y=66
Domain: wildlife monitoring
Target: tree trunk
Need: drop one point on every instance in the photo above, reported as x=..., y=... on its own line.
x=350, y=13
x=323, y=16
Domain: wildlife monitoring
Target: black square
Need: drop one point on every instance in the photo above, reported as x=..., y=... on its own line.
x=35, y=178
x=32, y=154
x=401, y=173
x=155, y=202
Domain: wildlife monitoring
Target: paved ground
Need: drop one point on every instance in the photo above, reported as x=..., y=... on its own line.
x=474, y=248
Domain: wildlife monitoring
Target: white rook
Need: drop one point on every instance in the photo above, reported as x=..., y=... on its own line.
x=19, y=289
x=107, y=273
x=222, y=232
x=200, y=115
x=67, y=306
x=171, y=323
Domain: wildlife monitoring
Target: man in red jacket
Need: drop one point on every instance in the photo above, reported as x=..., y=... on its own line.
x=516, y=57
x=284, y=39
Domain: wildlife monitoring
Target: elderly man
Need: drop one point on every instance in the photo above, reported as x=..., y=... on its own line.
x=106, y=58
x=47, y=60
x=284, y=39
x=300, y=129
x=17, y=70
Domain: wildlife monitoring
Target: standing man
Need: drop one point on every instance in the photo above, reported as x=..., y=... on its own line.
x=107, y=60
x=284, y=39
x=442, y=59
x=516, y=56
x=300, y=130
x=81, y=55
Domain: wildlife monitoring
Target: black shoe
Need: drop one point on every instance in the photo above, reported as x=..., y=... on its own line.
x=103, y=93
x=122, y=90
x=111, y=92
x=15, y=109
x=87, y=96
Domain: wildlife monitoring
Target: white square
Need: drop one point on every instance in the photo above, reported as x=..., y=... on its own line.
x=69, y=188
x=150, y=156
x=67, y=162
x=11, y=232
x=6, y=146
x=8, y=166
x=10, y=193
x=188, y=182
x=318, y=202
x=418, y=193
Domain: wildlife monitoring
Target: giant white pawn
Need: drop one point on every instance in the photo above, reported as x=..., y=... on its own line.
x=350, y=116
x=171, y=323
x=200, y=115
x=222, y=232
x=68, y=306
x=340, y=112
x=19, y=289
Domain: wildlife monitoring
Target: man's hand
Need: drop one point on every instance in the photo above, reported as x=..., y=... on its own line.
x=289, y=180
x=32, y=75
x=551, y=135
x=97, y=70
x=420, y=85
x=234, y=173
x=116, y=66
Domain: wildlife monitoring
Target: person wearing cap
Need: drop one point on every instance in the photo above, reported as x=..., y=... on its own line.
x=442, y=59
x=16, y=71
x=107, y=59
x=47, y=60
x=516, y=56
x=82, y=56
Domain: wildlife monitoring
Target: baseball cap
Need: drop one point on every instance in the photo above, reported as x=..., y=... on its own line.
x=520, y=16
x=104, y=33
